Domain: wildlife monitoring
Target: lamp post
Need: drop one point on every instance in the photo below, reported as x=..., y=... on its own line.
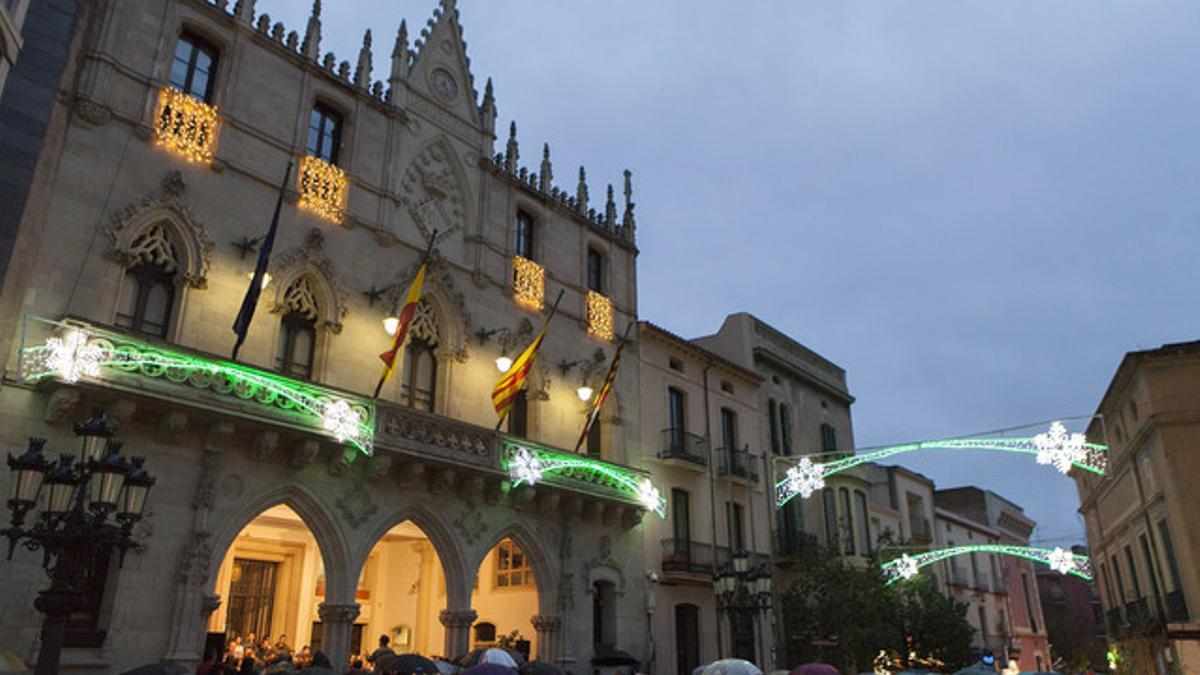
x=77, y=496
x=745, y=592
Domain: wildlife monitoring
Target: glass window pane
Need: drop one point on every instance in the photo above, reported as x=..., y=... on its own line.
x=157, y=304
x=127, y=307
x=179, y=70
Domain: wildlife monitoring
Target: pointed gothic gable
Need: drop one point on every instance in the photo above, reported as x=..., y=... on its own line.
x=441, y=68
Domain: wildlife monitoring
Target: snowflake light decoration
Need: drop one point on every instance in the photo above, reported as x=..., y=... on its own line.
x=524, y=467
x=340, y=419
x=1060, y=448
x=805, y=478
x=72, y=356
x=1061, y=561
x=648, y=495
x=907, y=567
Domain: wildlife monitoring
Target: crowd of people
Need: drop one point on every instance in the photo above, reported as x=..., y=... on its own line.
x=254, y=656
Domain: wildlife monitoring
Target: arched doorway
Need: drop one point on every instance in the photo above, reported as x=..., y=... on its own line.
x=401, y=592
x=271, y=581
x=505, y=599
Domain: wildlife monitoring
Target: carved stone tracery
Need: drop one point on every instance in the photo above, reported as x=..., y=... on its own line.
x=321, y=291
x=159, y=228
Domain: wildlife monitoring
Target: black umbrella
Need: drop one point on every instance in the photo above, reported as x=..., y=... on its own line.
x=407, y=663
x=540, y=668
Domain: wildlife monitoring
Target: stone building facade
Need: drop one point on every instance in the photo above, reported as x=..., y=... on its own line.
x=177, y=119
x=1140, y=517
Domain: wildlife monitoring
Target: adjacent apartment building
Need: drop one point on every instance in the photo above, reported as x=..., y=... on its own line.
x=1140, y=517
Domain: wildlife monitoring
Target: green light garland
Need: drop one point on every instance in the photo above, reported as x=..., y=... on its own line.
x=80, y=351
x=528, y=464
x=1063, y=561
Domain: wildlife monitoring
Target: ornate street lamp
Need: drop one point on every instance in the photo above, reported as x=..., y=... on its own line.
x=77, y=498
x=743, y=591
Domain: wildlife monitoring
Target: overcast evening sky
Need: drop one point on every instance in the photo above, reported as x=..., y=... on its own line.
x=976, y=208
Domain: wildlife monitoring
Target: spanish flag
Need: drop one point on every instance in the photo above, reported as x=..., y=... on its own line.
x=513, y=381
x=406, y=315
x=598, y=402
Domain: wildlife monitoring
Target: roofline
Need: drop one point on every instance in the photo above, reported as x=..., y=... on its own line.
x=965, y=521
x=1130, y=362
x=703, y=353
x=785, y=364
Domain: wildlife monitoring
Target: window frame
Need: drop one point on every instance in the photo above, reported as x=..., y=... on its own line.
x=846, y=522
x=594, y=270
x=416, y=349
x=199, y=44
x=524, y=234
x=330, y=114
x=147, y=276
x=518, y=415
x=289, y=326
x=524, y=573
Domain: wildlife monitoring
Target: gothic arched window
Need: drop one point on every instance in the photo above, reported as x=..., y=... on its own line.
x=148, y=292
x=420, y=361
x=297, y=330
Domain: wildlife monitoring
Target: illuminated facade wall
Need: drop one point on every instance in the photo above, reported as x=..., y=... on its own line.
x=418, y=150
x=1146, y=504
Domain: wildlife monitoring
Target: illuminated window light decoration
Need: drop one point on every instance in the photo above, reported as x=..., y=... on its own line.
x=323, y=188
x=1064, y=562
x=529, y=283
x=1055, y=447
x=80, y=350
x=599, y=316
x=186, y=126
x=528, y=464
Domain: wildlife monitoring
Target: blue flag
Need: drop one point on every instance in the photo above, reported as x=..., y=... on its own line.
x=246, y=314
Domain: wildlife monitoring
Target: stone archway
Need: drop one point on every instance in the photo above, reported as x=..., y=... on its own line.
x=508, y=599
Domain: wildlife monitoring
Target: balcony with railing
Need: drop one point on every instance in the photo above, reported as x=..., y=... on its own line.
x=738, y=463
x=529, y=283
x=686, y=557
x=689, y=449
x=1116, y=619
x=793, y=545
x=982, y=583
x=77, y=363
x=1177, y=611
x=1138, y=612
x=323, y=187
x=958, y=577
x=186, y=125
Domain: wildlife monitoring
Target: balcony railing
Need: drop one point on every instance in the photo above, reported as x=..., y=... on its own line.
x=187, y=126
x=921, y=530
x=982, y=583
x=737, y=463
x=999, y=585
x=795, y=544
x=1116, y=619
x=1177, y=610
x=693, y=557
x=323, y=188
x=679, y=444
x=1138, y=612
x=599, y=316
x=529, y=283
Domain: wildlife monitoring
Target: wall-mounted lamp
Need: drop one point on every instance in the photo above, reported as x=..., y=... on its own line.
x=266, y=278
x=391, y=323
x=584, y=393
x=503, y=363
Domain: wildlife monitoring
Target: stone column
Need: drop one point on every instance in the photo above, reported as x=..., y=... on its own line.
x=458, y=630
x=336, y=622
x=547, y=628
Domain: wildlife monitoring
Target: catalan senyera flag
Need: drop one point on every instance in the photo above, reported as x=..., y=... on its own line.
x=511, y=382
x=406, y=315
x=598, y=402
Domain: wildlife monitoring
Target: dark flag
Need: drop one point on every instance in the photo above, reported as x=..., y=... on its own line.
x=246, y=314
x=598, y=402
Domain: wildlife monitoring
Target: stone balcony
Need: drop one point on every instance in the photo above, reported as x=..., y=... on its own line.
x=73, y=360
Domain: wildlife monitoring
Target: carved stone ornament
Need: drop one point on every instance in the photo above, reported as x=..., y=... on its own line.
x=330, y=293
x=159, y=227
x=304, y=452
x=470, y=525
x=433, y=190
x=60, y=402
x=543, y=623
x=209, y=603
x=92, y=112
x=457, y=618
x=451, y=304
x=356, y=506
x=193, y=560
x=378, y=466
x=338, y=613
x=604, y=559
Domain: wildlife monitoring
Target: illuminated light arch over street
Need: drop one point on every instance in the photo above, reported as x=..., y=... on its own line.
x=528, y=464
x=1060, y=560
x=1056, y=447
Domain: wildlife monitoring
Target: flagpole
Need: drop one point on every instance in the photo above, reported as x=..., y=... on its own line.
x=241, y=324
x=545, y=324
x=424, y=260
x=591, y=416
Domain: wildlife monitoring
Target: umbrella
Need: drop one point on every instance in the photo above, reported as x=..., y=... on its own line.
x=540, y=668
x=732, y=667
x=488, y=669
x=975, y=670
x=158, y=669
x=814, y=669
x=11, y=664
x=407, y=663
x=503, y=657
x=445, y=667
